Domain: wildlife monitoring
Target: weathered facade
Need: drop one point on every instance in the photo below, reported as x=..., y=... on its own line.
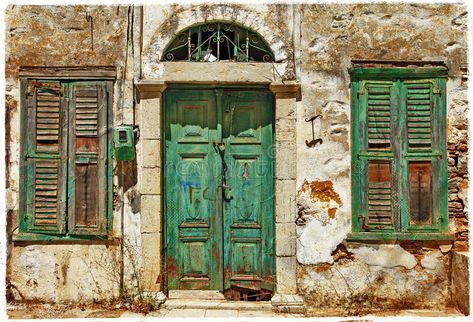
x=313, y=253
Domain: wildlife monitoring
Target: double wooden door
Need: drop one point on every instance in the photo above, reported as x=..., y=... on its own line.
x=219, y=189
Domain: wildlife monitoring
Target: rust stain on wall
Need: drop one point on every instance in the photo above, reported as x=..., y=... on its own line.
x=322, y=191
x=332, y=212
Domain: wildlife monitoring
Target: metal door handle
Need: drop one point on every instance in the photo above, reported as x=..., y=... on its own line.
x=226, y=192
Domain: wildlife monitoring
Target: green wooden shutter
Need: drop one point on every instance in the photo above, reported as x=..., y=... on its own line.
x=87, y=182
x=376, y=167
x=422, y=155
x=419, y=104
x=44, y=157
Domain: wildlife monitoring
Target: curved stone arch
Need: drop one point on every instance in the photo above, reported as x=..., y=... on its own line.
x=201, y=14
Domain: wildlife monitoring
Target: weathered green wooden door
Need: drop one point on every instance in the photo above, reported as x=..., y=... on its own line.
x=219, y=189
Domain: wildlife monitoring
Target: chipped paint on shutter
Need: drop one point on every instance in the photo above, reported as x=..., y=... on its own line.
x=379, y=115
x=47, y=120
x=419, y=111
x=87, y=161
x=46, y=193
x=86, y=109
x=379, y=193
x=45, y=164
x=420, y=193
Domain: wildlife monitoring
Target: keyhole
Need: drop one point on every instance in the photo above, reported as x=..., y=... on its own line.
x=245, y=171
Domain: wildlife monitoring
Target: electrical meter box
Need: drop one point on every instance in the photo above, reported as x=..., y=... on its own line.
x=123, y=142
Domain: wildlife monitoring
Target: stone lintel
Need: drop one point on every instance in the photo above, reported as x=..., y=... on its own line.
x=150, y=89
x=286, y=90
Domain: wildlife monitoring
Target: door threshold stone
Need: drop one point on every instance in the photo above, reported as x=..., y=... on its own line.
x=196, y=295
x=216, y=305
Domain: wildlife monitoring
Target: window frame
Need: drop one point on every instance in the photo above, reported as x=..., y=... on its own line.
x=69, y=77
x=401, y=230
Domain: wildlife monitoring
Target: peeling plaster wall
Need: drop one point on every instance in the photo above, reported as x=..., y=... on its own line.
x=61, y=36
x=55, y=273
x=333, y=273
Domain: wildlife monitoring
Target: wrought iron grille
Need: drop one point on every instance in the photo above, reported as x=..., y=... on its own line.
x=218, y=41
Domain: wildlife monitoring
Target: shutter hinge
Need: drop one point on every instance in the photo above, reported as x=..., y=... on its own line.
x=435, y=88
x=29, y=89
x=362, y=90
x=364, y=226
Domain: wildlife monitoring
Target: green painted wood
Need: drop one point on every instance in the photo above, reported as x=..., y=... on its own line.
x=428, y=151
x=355, y=149
x=248, y=212
x=228, y=238
x=48, y=180
x=417, y=131
x=400, y=236
x=361, y=73
x=192, y=171
x=375, y=99
x=87, y=168
x=44, y=156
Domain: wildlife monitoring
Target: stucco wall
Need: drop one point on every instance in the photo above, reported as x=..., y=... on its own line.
x=62, y=36
x=353, y=276
x=313, y=45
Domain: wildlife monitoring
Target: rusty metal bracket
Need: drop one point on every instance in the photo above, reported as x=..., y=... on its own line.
x=90, y=19
x=314, y=141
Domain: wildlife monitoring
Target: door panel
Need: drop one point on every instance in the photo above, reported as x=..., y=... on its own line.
x=193, y=228
x=248, y=221
x=218, y=237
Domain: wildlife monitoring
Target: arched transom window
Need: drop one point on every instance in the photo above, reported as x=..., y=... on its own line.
x=218, y=41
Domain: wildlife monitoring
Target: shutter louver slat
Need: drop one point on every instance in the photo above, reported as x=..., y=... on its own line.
x=87, y=168
x=44, y=160
x=46, y=194
x=419, y=118
x=379, y=116
x=86, y=112
x=47, y=120
x=379, y=193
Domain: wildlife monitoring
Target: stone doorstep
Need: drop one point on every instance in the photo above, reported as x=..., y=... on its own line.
x=196, y=295
x=288, y=303
x=291, y=309
x=171, y=304
x=287, y=300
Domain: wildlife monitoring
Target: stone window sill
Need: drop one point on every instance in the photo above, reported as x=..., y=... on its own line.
x=32, y=238
x=398, y=236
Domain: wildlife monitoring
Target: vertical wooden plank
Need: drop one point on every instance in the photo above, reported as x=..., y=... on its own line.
x=109, y=160
x=398, y=114
x=44, y=167
x=193, y=219
x=24, y=104
x=441, y=114
x=420, y=193
x=248, y=211
x=88, y=140
x=355, y=161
